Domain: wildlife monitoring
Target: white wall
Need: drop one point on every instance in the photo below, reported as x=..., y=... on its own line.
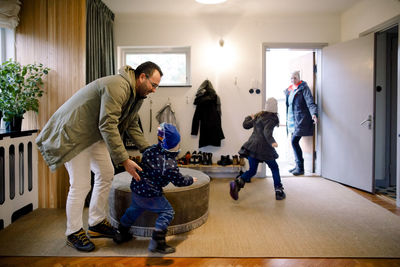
x=366, y=15
x=240, y=58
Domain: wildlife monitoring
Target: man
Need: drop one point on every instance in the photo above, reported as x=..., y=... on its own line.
x=85, y=131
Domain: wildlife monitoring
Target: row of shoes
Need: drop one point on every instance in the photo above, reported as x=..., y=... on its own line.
x=196, y=158
x=226, y=160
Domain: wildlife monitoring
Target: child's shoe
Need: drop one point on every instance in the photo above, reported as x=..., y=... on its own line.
x=235, y=187
x=158, y=244
x=279, y=194
x=234, y=190
x=122, y=234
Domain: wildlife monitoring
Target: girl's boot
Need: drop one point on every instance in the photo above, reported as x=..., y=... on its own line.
x=235, y=187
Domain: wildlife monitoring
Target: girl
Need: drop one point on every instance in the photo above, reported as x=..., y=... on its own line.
x=260, y=148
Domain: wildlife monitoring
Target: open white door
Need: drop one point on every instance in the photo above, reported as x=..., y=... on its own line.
x=347, y=111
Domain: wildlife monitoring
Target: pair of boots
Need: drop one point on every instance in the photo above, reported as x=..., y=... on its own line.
x=298, y=169
x=195, y=158
x=224, y=161
x=207, y=158
x=239, y=183
x=157, y=242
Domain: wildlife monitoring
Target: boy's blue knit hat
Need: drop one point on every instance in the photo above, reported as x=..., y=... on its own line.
x=168, y=136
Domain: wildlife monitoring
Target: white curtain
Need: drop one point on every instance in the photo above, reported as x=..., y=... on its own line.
x=9, y=10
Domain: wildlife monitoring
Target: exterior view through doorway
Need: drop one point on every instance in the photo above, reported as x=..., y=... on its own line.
x=280, y=63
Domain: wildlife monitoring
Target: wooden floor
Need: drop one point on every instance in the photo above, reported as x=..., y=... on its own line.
x=383, y=201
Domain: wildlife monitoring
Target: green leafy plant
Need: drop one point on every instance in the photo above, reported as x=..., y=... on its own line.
x=20, y=88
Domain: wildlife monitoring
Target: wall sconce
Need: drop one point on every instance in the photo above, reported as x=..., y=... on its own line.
x=221, y=42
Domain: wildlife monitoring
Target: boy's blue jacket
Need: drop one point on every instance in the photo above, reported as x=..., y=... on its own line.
x=159, y=169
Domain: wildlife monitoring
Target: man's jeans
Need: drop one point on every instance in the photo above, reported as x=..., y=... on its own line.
x=253, y=170
x=159, y=205
x=97, y=159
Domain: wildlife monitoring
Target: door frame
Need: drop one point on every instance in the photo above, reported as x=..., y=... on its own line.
x=378, y=28
x=317, y=47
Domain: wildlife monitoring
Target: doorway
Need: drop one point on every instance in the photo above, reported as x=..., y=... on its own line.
x=279, y=65
x=386, y=112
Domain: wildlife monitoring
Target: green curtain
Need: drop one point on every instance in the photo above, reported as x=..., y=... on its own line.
x=100, y=54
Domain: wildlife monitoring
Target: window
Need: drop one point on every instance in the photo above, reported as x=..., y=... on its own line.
x=2, y=45
x=7, y=40
x=173, y=61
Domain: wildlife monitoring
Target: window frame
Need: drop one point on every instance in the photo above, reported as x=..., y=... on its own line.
x=123, y=51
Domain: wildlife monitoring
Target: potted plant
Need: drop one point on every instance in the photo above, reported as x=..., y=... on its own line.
x=20, y=87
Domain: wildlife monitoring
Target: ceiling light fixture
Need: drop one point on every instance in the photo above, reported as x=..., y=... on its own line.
x=210, y=2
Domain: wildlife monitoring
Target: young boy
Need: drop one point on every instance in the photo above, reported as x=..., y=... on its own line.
x=159, y=169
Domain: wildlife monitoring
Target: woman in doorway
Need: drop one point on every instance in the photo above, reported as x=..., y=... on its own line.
x=301, y=115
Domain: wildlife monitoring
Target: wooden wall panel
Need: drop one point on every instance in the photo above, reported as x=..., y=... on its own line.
x=53, y=32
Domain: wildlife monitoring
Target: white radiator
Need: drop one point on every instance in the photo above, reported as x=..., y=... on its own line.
x=18, y=176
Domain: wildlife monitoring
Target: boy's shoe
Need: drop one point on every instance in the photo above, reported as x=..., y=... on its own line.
x=102, y=229
x=158, y=243
x=279, y=194
x=122, y=235
x=80, y=241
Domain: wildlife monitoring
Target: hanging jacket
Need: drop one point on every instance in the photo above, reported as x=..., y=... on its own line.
x=102, y=110
x=166, y=114
x=159, y=169
x=259, y=145
x=208, y=115
x=303, y=108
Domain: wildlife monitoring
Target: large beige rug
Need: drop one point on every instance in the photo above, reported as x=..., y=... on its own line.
x=319, y=218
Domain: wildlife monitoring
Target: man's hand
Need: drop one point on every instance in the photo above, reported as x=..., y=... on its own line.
x=274, y=144
x=131, y=167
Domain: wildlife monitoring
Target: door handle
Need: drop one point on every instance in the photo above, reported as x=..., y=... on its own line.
x=369, y=120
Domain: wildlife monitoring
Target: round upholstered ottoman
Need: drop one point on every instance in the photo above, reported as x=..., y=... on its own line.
x=190, y=204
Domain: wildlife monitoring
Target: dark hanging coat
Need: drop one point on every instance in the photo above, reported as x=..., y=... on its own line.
x=208, y=115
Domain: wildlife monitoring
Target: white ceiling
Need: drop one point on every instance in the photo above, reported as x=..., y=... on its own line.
x=242, y=7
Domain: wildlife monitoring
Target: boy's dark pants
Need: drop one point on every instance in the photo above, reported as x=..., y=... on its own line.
x=159, y=205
